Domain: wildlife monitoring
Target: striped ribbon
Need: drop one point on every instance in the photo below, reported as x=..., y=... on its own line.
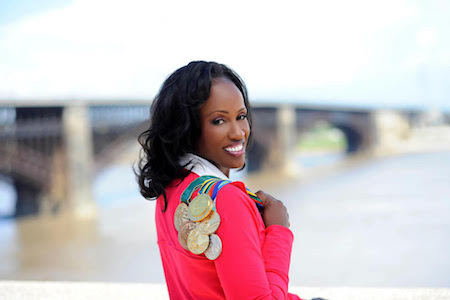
x=211, y=185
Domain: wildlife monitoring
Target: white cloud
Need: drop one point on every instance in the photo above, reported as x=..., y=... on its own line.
x=287, y=49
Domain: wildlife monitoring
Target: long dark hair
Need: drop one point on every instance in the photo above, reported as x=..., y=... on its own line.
x=175, y=126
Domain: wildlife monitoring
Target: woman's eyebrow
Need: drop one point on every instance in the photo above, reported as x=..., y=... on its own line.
x=221, y=111
x=225, y=111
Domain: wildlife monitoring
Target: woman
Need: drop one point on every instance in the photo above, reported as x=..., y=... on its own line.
x=201, y=126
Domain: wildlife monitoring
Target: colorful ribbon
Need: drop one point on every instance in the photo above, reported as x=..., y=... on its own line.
x=211, y=185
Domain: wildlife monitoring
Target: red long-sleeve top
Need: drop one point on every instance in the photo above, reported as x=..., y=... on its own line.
x=254, y=263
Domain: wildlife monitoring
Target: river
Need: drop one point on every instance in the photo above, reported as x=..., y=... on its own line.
x=379, y=222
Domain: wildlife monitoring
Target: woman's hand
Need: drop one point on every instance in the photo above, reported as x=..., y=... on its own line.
x=274, y=211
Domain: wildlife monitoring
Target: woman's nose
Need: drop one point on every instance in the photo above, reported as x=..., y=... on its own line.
x=236, y=131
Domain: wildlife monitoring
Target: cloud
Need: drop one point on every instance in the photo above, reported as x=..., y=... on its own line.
x=291, y=49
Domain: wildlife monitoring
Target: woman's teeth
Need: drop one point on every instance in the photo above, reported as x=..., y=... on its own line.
x=235, y=148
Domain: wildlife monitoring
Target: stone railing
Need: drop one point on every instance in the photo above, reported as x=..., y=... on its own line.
x=40, y=290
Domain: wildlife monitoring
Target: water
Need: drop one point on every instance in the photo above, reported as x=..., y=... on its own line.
x=115, y=185
x=319, y=159
x=383, y=222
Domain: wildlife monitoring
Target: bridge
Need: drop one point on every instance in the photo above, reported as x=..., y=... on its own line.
x=51, y=150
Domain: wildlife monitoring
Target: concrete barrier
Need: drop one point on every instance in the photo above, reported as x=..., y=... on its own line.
x=40, y=290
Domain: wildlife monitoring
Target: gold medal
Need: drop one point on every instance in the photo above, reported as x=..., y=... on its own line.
x=197, y=242
x=196, y=219
x=181, y=216
x=215, y=247
x=200, y=207
x=210, y=224
x=184, y=232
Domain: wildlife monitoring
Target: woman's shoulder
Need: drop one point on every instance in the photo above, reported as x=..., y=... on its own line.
x=236, y=188
x=234, y=205
x=227, y=191
x=234, y=194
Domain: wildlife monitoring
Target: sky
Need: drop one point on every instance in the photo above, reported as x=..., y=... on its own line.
x=386, y=53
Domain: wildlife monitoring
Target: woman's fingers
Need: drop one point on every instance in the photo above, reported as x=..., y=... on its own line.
x=263, y=196
x=274, y=210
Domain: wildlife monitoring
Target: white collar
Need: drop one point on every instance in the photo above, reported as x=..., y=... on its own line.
x=201, y=166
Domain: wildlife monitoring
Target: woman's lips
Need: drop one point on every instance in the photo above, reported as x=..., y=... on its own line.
x=236, y=149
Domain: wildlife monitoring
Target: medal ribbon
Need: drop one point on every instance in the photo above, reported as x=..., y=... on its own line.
x=211, y=185
x=186, y=196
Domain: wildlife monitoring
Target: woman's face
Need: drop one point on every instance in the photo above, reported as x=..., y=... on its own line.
x=225, y=128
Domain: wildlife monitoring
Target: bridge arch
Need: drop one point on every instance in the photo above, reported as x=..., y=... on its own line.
x=353, y=137
x=8, y=196
x=24, y=189
x=356, y=126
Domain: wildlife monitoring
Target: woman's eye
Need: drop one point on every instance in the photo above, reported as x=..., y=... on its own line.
x=242, y=117
x=218, y=121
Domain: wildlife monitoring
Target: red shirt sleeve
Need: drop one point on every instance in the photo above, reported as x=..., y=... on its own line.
x=254, y=263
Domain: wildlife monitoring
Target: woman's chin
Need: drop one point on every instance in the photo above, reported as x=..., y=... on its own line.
x=238, y=165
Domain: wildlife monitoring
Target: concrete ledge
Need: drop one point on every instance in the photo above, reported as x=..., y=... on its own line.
x=55, y=290
x=357, y=293
x=40, y=290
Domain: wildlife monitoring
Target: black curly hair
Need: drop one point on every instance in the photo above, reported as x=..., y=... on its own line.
x=175, y=126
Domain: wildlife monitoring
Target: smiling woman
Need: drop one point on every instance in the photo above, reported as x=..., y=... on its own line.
x=217, y=239
x=225, y=128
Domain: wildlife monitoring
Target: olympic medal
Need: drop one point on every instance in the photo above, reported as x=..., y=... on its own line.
x=184, y=232
x=200, y=207
x=197, y=242
x=181, y=216
x=210, y=224
x=215, y=247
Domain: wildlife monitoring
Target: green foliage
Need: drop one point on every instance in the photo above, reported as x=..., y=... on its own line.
x=322, y=137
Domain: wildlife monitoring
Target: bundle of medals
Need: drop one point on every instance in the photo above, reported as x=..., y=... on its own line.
x=196, y=218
